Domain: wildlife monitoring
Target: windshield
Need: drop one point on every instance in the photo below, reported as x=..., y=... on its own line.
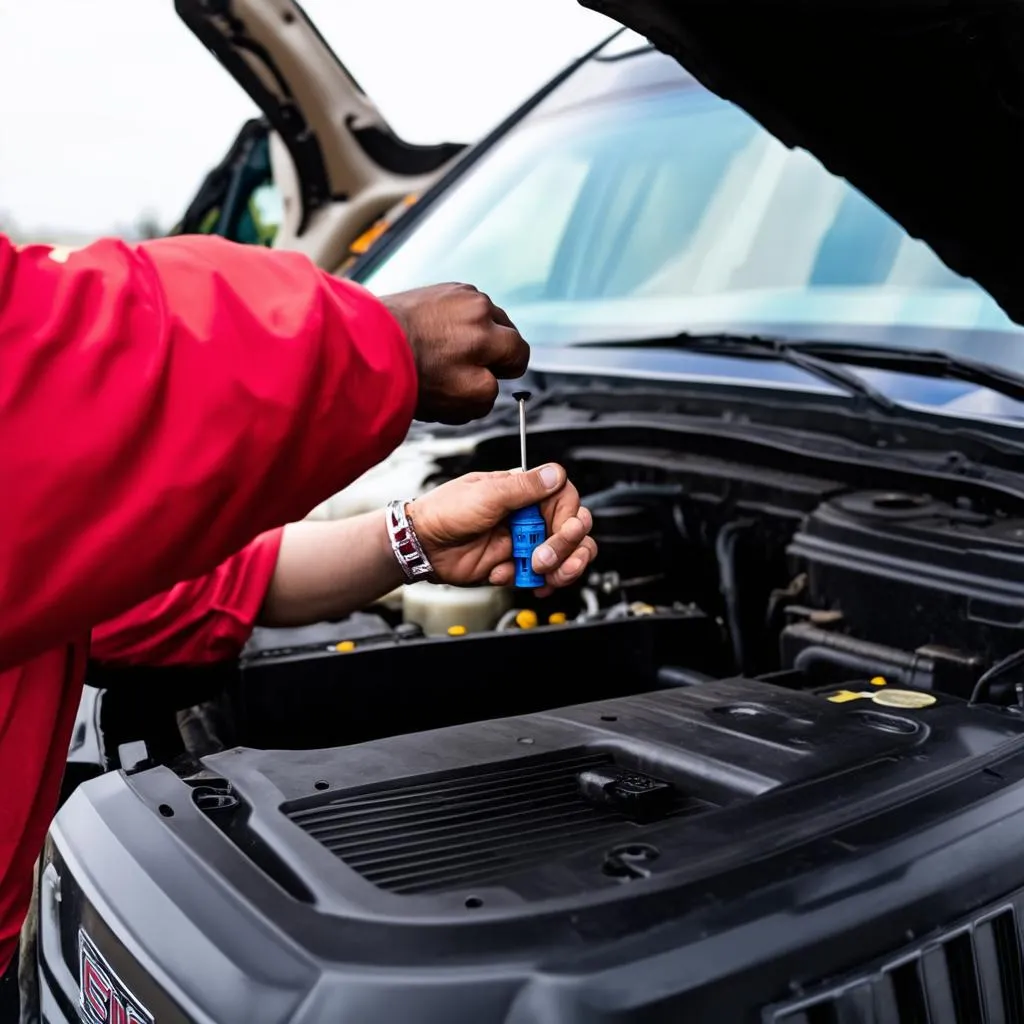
x=651, y=214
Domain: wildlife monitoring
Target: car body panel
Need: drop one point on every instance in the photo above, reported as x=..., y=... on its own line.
x=347, y=166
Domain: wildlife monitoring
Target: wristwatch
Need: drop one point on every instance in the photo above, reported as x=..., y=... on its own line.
x=406, y=545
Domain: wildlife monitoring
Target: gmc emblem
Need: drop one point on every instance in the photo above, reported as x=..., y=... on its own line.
x=102, y=997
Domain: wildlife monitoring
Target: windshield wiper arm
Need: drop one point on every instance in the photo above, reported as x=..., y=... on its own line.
x=820, y=358
x=752, y=346
x=923, y=362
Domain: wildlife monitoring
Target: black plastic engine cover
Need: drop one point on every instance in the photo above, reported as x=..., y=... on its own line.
x=392, y=683
x=506, y=870
x=908, y=571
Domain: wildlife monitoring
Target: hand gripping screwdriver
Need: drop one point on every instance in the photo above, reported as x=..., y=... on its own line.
x=527, y=524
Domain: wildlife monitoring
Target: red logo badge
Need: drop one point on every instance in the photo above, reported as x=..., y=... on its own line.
x=103, y=998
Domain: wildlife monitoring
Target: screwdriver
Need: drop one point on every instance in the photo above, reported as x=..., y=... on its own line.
x=528, y=528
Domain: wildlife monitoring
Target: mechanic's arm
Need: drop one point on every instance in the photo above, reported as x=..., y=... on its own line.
x=162, y=404
x=321, y=571
x=327, y=569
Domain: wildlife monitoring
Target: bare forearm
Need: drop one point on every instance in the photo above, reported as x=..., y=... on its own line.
x=325, y=570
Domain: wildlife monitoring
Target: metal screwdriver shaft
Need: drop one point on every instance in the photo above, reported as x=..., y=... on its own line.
x=521, y=397
x=528, y=528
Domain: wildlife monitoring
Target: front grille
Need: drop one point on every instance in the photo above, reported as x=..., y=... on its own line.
x=476, y=826
x=971, y=975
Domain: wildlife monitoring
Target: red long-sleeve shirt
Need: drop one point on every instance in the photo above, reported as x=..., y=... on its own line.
x=198, y=621
x=160, y=406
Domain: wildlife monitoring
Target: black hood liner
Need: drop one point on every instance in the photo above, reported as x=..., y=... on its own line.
x=918, y=103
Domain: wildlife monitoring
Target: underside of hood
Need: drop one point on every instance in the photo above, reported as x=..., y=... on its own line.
x=918, y=103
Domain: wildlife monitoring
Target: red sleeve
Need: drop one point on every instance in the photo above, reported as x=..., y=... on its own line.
x=161, y=405
x=204, y=620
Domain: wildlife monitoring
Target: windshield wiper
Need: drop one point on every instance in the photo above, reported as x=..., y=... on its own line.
x=923, y=362
x=824, y=359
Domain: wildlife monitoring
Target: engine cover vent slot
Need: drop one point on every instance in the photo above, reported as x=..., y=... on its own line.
x=472, y=827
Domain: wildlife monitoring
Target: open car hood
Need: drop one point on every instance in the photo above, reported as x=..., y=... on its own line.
x=918, y=104
x=338, y=163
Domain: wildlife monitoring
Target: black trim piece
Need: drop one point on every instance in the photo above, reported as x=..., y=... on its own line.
x=396, y=155
x=611, y=58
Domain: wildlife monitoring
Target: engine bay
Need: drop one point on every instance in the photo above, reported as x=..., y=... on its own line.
x=710, y=566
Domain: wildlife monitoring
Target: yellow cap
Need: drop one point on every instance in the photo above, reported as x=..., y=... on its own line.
x=879, y=681
x=456, y=630
x=345, y=646
x=556, y=618
x=526, y=619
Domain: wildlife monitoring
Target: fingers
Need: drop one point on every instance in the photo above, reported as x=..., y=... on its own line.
x=559, y=546
x=567, y=570
x=499, y=316
x=477, y=390
x=462, y=345
x=510, y=491
x=561, y=505
x=568, y=549
x=502, y=575
x=506, y=353
x=497, y=345
x=575, y=565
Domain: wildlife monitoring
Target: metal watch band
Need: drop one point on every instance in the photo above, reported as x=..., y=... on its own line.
x=406, y=545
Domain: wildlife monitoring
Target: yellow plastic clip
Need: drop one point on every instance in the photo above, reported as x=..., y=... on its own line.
x=456, y=630
x=556, y=619
x=526, y=619
x=345, y=646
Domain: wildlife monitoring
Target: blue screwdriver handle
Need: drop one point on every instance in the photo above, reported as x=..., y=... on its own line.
x=528, y=532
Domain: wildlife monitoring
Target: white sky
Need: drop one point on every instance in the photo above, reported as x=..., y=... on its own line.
x=109, y=108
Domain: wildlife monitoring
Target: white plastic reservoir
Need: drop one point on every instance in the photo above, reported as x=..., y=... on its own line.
x=437, y=607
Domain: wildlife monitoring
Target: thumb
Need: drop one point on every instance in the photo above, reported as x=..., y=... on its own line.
x=516, y=490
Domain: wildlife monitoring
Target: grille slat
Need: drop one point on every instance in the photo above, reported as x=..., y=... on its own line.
x=971, y=975
x=963, y=977
x=938, y=989
x=855, y=1006
x=1007, y=938
x=886, y=1009
x=989, y=978
x=475, y=826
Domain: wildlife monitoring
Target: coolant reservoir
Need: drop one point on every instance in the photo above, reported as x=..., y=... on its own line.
x=436, y=607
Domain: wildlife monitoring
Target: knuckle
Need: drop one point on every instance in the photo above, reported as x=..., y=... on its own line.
x=572, y=531
x=524, y=484
x=520, y=361
x=478, y=305
x=560, y=545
